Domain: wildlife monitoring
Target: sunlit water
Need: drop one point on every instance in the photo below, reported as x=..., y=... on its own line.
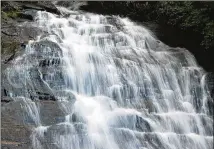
x=119, y=86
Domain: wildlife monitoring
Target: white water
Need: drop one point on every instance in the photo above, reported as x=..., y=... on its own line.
x=119, y=86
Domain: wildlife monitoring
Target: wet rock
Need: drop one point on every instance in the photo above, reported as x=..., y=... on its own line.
x=14, y=36
x=66, y=95
x=48, y=115
x=16, y=27
x=34, y=5
x=142, y=125
x=16, y=30
x=53, y=48
x=14, y=135
x=41, y=5
x=6, y=99
x=72, y=5
x=17, y=125
x=45, y=96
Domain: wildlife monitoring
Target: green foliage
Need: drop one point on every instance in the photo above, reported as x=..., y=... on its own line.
x=188, y=16
x=208, y=33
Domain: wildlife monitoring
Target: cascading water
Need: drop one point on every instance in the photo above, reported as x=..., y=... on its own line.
x=120, y=87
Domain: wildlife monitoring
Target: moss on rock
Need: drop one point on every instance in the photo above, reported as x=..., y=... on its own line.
x=13, y=14
x=9, y=47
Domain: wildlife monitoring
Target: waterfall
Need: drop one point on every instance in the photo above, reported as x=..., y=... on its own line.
x=118, y=85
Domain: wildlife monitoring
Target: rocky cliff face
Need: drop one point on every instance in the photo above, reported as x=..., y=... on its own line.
x=16, y=30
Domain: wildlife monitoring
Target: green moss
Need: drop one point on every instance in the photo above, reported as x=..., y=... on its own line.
x=10, y=14
x=13, y=14
x=9, y=47
x=4, y=15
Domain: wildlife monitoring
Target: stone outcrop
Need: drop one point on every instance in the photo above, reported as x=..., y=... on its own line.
x=16, y=27
x=16, y=126
x=16, y=31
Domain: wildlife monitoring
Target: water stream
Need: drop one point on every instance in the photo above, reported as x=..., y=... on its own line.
x=120, y=87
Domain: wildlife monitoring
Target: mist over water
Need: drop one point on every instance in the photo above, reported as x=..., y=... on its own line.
x=119, y=86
